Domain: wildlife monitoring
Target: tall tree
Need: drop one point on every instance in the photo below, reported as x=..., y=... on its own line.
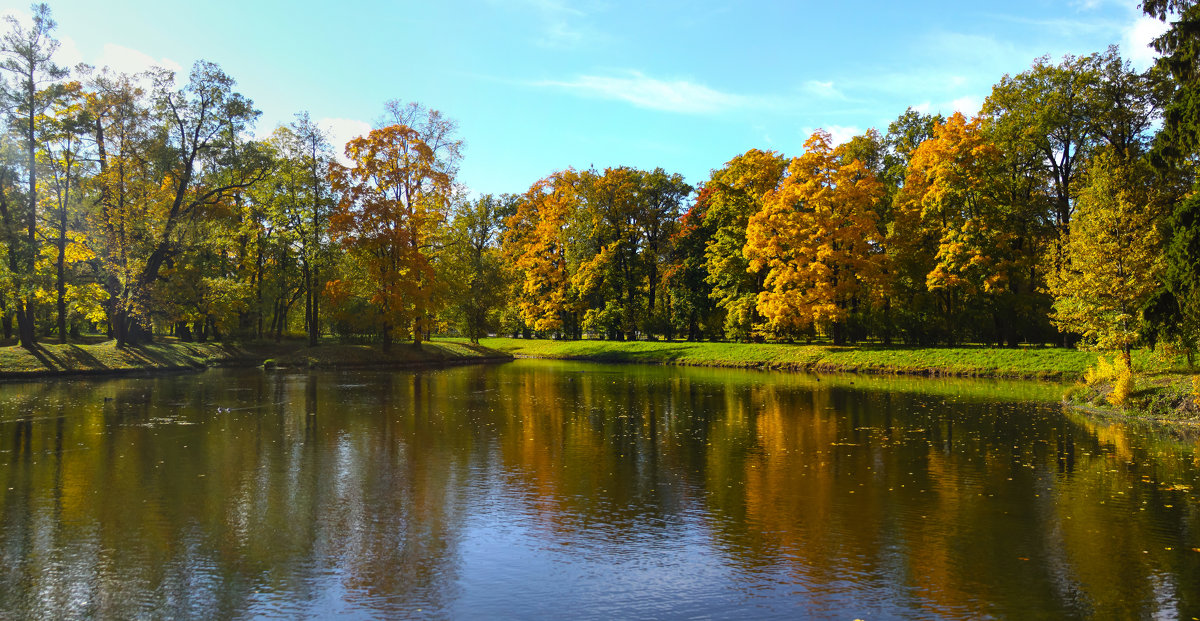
x=158, y=179
x=1051, y=107
x=32, y=85
x=474, y=263
x=737, y=193
x=818, y=241
x=536, y=243
x=392, y=197
x=948, y=233
x=64, y=130
x=1113, y=257
x=1173, y=313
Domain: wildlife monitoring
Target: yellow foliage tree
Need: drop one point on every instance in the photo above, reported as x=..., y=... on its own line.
x=1112, y=259
x=535, y=243
x=949, y=230
x=817, y=238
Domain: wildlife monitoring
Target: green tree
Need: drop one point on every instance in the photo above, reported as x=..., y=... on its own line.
x=32, y=86
x=737, y=193
x=1113, y=257
x=474, y=265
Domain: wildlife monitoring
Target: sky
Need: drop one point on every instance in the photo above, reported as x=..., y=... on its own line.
x=541, y=85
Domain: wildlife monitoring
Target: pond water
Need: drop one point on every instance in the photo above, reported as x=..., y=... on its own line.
x=543, y=489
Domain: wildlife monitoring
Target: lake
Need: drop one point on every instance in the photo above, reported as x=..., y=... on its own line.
x=541, y=489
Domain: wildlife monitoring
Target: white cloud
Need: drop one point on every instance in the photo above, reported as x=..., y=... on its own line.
x=643, y=91
x=122, y=59
x=969, y=105
x=559, y=21
x=1137, y=38
x=342, y=131
x=823, y=89
x=840, y=133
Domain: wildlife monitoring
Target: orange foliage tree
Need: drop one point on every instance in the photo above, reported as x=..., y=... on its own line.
x=393, y=196
x=949, y=226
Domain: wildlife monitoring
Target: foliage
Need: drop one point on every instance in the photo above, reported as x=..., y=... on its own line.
x=817, y=241
x=1112, y=259
x=392, y=198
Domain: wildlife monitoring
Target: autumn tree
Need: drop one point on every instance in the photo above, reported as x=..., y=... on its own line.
x=157, y=179
x=661, y=196
x=949, y=238
x=473, y=263
x=737, y=193
x=686, y=275
x=535, y=243
x=66, y=163
x=817, y=240
x=1113, y=257
x=393, y=195
x=31, y=86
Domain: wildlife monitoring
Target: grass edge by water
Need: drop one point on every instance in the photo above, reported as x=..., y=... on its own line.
x=168, y=355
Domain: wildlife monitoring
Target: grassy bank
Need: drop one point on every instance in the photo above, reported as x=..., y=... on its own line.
x=401, y=355
x=1168, y=397
x=1039, y=363
x=52, y=359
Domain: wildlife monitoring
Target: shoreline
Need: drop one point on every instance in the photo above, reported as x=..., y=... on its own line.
x=169, y=356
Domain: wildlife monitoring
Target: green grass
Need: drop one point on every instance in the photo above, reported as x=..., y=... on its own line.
x=168, y=354
x=57, y=359
x=441, y=351
x=1037, y=362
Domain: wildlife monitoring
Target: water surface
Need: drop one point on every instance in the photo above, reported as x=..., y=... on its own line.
x=554, y=489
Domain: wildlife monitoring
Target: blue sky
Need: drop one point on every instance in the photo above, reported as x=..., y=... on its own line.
x=540, y=85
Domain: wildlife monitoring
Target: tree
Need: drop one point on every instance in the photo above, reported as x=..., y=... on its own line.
x=392, y=197
x=1173, y=312
x=949, y=238
x=305, y=155
x=687, y=275
x=1052, y=109
x=156, y=179
x=737, y=193
x=535, y=243
x=662, y=197
x=27, y=58
x=1113, y=257
x=64, y=130
x=817, y=240
x=474, y=265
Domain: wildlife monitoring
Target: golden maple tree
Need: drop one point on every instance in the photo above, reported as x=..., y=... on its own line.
x=817, y=238
x=536, y=243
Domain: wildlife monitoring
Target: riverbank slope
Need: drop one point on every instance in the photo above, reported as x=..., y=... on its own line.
x=1019, y=363
x=1163, y=392
x=171, y=355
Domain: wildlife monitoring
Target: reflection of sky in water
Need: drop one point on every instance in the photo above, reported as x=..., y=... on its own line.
x=544, y=489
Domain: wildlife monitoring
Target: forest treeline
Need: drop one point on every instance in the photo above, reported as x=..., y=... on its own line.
x=1065, y=210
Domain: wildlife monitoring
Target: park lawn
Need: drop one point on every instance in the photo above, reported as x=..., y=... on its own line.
x=49, y=359
x=973, y=361
x=341, y=356
x=169, y=354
